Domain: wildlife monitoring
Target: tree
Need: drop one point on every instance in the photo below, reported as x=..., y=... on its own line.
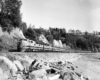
x=10, y=14
x=82, y=43
x=50, y=38
x=30, y=34
x=23, y=26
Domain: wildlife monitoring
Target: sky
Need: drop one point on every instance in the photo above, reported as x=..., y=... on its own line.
x=83, y=15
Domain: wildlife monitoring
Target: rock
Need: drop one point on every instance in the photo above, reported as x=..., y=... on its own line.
x=78, y=74
x=69, y=62
x=19, y=65
x=76, y=66
x=11, y=66
x=19, y=77
x=60, y=62
x=55, y=77
x=38, y=75
x=67, y=76
x=51, y=71
x=72, y=68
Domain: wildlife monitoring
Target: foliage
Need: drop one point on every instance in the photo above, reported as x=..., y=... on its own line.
x=23, y=26
x=86, y=41
x=10, y=14
x=30, y=34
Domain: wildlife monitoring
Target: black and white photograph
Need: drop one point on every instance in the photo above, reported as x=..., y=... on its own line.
x=49, y=39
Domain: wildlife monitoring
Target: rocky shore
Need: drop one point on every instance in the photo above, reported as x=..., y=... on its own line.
x=47, y=66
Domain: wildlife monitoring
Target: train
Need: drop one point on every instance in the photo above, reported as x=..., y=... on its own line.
x=26, y=45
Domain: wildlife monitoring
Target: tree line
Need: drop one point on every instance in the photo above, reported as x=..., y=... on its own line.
x=86, y=41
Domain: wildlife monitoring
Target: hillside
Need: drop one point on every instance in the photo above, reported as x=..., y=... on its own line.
x=9, y=41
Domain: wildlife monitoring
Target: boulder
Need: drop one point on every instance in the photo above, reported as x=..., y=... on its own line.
x=38, y=75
